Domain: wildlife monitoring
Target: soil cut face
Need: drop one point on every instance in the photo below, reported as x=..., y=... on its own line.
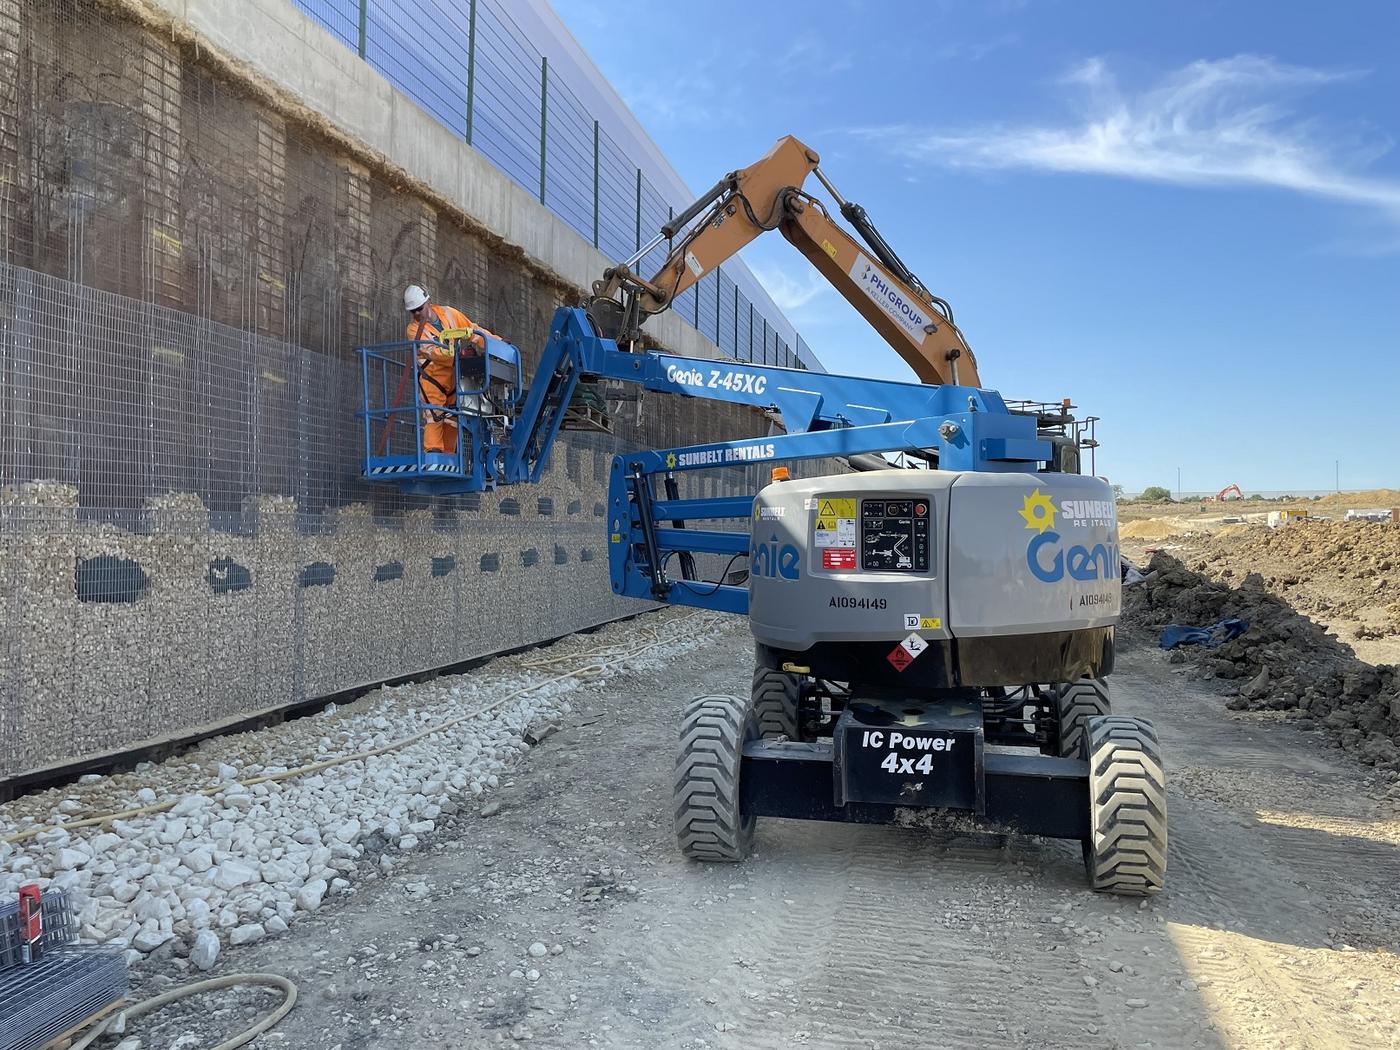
x=1342, y=574
x=1331, y=570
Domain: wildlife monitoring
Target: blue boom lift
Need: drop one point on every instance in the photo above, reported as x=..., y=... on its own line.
x=904, y=620
x=508, y=433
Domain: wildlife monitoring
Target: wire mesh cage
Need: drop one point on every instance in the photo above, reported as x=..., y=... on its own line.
x=476, y=71
x=185, y=271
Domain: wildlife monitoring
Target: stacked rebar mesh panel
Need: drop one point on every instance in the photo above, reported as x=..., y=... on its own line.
x=59, y=929
x=62, y=985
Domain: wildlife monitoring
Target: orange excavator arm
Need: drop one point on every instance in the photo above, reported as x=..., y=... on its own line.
x=768, y=195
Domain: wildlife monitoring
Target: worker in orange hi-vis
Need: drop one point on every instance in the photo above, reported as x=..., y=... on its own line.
x=436, y=375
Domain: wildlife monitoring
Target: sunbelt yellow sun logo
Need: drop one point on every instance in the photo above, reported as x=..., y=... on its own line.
x=1046, y=557
x=670, y=461
x=1038, y=510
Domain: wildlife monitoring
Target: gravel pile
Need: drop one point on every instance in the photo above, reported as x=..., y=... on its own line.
x=1284, y=662
x=233, y=863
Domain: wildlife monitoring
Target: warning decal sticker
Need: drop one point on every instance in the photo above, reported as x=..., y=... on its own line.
x=837, y=508
x=906, y=652
x=914, y=644
x=836, y=523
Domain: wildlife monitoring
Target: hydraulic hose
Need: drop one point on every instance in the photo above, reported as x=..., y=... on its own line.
x=214, y=984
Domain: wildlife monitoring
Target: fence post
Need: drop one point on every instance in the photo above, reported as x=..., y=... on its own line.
x=638, y=245
x=471, y=65
x=364, y=17
x=737, y=343
x=595, y=184
x=544, y=118
x=718, y=290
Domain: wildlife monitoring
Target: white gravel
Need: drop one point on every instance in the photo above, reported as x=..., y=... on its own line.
x=242, y=862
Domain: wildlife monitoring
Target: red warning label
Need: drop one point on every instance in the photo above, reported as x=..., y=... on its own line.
x=900, y=657
x=838, y=558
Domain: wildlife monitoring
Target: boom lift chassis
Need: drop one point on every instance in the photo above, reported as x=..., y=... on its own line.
x=1072, y=770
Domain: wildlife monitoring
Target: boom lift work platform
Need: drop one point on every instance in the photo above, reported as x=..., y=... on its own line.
x=930, y=639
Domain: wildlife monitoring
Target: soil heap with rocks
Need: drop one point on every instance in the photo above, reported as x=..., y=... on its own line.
x=1332, y=568
x=1283, y=662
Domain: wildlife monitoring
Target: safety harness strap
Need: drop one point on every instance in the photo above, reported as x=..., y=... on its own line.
x=449, y=395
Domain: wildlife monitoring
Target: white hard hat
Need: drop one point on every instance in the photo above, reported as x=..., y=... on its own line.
x=414, y=297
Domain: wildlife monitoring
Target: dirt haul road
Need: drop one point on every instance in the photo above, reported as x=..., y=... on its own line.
x=1278, y=927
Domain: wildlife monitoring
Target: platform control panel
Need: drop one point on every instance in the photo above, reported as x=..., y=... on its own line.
x=894, y=535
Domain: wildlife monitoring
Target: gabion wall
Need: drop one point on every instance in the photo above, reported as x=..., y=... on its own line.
x=184, y=538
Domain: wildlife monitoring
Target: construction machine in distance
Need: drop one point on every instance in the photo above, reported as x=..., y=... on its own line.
x=926, y=639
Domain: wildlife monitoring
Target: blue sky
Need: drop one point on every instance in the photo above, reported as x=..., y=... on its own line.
x=1186, y=217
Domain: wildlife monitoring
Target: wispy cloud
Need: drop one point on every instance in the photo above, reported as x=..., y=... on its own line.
x=789, y=292
x=715, y=80
x=1222, y=122
x=808, y=54
x=974, y=50
x=704, y=78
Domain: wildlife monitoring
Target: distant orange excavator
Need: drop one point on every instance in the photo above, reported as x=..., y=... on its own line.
x=1223, y=493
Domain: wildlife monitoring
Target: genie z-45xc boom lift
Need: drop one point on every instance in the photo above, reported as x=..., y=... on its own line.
x=926, y=639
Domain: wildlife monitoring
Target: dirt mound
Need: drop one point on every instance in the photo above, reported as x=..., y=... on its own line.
x=1369, y=498
x=1150, y=529
x=1284, y=662
x=1229, y=531
x=1326, y=568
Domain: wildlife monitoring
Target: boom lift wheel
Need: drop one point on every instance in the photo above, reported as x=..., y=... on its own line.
x=710, y=825
x=1126, y=852
x=775, y=696
x=1075, y=704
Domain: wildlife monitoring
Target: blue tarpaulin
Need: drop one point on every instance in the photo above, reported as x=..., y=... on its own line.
x=1216, y=634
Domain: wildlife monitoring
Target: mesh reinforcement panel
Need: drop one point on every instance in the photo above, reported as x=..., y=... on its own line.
x=184, y=537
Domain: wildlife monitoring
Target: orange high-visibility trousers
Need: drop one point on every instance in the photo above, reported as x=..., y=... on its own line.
x=437, y=377
x=439, y=427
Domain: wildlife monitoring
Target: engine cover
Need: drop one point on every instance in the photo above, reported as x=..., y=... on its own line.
x=936, y=579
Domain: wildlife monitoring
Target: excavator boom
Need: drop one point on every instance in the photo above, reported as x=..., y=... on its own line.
x=768, y=195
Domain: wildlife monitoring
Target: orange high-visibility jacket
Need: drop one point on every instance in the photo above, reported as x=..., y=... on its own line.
x=436, y=361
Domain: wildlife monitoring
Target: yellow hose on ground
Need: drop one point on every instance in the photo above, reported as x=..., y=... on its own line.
x=265, y=980
x=586, y=671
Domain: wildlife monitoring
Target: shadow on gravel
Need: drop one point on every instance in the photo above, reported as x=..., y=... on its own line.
x=1292, y=886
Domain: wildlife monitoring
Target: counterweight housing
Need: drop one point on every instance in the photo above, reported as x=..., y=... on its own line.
x=1007, y=578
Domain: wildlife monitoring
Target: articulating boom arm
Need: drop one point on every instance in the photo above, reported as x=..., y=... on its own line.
x=768, y=195
x=838, y=415
x=509, y=441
